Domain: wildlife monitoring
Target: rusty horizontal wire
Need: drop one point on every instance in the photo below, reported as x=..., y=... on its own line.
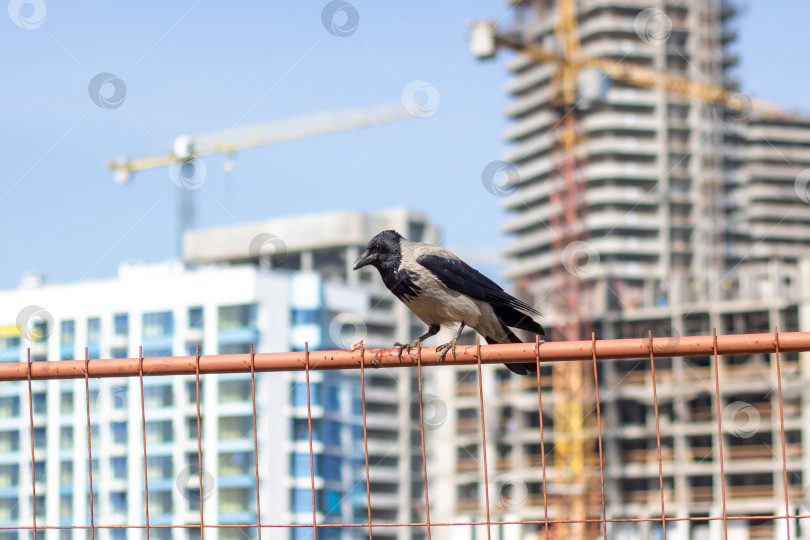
x=613, y=349
x=364, y=525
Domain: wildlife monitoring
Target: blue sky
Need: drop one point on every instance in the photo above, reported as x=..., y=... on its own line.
x=198, y=66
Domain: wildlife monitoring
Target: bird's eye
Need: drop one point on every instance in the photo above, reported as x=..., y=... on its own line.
x=376, y=246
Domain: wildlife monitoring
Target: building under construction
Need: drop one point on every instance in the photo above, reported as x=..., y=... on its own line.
x=662, y=211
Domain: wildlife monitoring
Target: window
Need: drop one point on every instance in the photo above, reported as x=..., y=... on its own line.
x=235, y=348
x=9, y=441
x=118, y=465
x=236, y=427
x=9, y=406
x=158, y=467
x=302, y=500
x=121, y=324
x=94, y=401
x=330, y=397
x=66, y=472
x=159, y=432
x=119, y=397
x=195, y=317
x=331, y=467
x=235, y=500
x=118, y=501
x=40, y=403
x=299, y=394
x=157, y=325
x=40, y=437
x=333, y=499
x=331, y=433
x=119, y=432
x=66, y=437
x=9, y=475
x=305, y=316
x=160, y=502
x=94, y=330
x=95, y=434
x=231, y=391
x=156, y=352
x=191, y=427
x=67, y=332
x=301, y=429
x=191, y=390
x=65, y=506
x=157, y=396
x=242, y=316
x=236, y=463
x=118, y=352
x=66, y=403
x=9, y=342
x=300, y=465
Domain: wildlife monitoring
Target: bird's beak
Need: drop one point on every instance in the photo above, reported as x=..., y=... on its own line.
x=365, y=259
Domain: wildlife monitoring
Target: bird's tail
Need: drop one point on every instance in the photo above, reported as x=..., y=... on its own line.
x=520, y=369
x=510, y=316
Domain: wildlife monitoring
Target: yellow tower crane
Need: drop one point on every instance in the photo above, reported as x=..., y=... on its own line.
x=182, y=158
x=572, y=451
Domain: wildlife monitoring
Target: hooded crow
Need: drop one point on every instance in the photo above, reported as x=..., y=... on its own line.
x=442, y=289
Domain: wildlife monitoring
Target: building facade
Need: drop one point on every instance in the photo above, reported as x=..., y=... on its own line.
x=691, y=217
x=221, y=306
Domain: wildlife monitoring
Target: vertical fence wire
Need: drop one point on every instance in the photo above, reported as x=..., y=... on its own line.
x=311, y=456
x=255, y=441
x=33, y=470
x=599, y=428
x=782, y=428
x=89, y=445
x=422, y=432
x=542, y=434
x=720, y=432
x=657, y=433
x=365, y=430
x=483, y=434
x=199, y=437
x=143, y=429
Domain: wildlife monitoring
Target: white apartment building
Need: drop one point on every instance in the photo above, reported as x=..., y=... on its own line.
x=222, y=306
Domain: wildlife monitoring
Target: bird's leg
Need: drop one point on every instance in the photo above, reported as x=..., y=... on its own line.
x=433, y=329
x=450, y=344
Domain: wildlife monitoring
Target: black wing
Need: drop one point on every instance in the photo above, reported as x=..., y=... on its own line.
x=460, y=276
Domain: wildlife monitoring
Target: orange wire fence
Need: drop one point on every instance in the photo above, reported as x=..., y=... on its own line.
x=540, y=354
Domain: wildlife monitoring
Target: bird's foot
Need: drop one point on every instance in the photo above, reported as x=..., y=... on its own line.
x=450, y=345
x=406, y=346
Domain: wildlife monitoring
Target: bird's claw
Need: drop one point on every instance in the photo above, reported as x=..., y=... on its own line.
x=450, y=345
x=407, y=346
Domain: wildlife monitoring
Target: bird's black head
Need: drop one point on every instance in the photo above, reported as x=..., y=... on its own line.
x=381, y=251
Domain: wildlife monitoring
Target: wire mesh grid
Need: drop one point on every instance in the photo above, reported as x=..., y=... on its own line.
x=541, y=354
